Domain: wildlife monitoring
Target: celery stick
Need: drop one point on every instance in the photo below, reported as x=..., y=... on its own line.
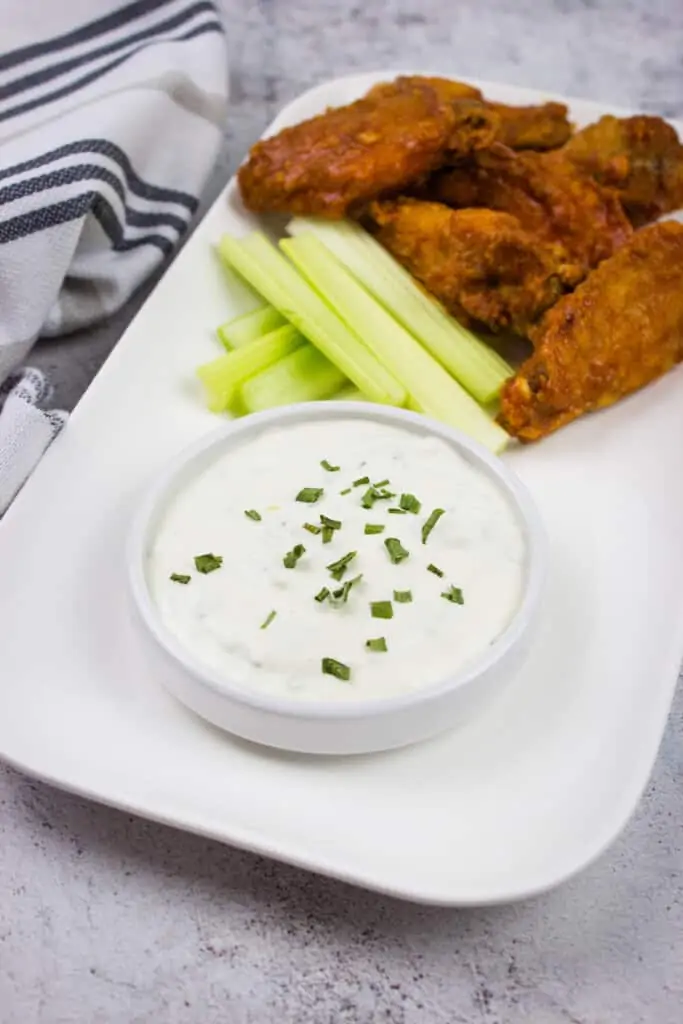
x=249, y=327
x=478, y=368
x=426, y=381
x=224, y=375
x=304, y=376
x=351, y=394
x=257, y=260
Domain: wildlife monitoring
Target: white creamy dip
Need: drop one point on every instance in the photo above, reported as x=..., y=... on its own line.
x=477, y=544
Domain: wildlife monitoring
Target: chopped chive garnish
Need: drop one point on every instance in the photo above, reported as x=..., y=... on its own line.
x=381, y=483
x=378, y=644
x=338, y=568
x=403, y=596
x=332, y=667
x=397, y=512
x=410, y=503
x=312, y=528
x=435, y=569
x=454, y=595
x=310, y=494
x=293, y=556
x=361, y=480
x=328, y=534
x=397, y=553
x=207, y=563
x=374, y=494
x=268, y=620
x=347, y=490
x=369, y=498
x=322, y=595
x=431, y=522
x=374, y=528
x=381, y=609
x=251, y=513
x=329, y=467
x=342, y=594
x=179, y=577
x=334, y=524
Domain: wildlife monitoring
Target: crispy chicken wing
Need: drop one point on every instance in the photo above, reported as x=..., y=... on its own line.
x=542, y=127
x=641, y=157
x=335, y=163
x=547, y=195
x=620, y=329
x=448, y=89
x=482, y=265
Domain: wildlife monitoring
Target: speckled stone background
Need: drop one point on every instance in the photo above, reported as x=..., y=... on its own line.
x=106, y=919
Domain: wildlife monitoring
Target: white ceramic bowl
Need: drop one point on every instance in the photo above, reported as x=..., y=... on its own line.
x=334, y=728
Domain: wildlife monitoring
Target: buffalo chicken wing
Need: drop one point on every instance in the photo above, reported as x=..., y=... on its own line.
x=482, y=265
x=620, y=329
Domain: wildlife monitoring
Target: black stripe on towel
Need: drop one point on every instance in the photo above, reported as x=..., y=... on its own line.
x=66, y=90
x=136, y=185
x=110, y=224
x=46, y=74
x=88, y=172
x=117, y=19
x=72, y=209
x=46, y=217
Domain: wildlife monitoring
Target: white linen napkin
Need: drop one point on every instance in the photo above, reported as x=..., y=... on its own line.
x=111, y=117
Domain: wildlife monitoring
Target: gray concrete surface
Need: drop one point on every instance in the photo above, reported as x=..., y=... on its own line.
x=106, y=919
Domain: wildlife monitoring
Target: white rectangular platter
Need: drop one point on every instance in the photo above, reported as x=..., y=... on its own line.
x=510, y=805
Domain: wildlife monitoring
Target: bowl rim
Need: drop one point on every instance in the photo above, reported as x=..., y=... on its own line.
x=161, y=489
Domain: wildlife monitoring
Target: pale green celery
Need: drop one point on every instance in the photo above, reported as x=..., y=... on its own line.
x=266, y=269
x=430, y=386
x=224, y=375
x=250, y=326
x=478, y=368
x=304, y=376
x=351, y=394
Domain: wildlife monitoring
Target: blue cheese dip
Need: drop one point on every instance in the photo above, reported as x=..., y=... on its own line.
x=415, y=577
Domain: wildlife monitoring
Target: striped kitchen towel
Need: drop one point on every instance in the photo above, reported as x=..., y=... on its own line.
x=111, y=117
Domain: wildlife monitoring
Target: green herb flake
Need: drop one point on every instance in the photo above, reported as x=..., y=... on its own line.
x=435, y=569
x=374, y=494
x=378, y=644
x=329, y=467
x=431, y=522
x=397, y=511
x=207, y=563
x=341, y=595
x=293, y=556
x=347, y=490
x=338, y=568
x=361, y=480
x=334, y=524
x=403, y=596
x=397, y=553
x=454, y=595
x=371, y=528
x=381, y=483
x=381, y=609
x=369, y=498
x=179, y=577
x=251, y=513
x=312, y=528
x=322, y=595
x=328, y=534
x=310, y=494
x=409, y=503
x=332, y=667
x=268, y=620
